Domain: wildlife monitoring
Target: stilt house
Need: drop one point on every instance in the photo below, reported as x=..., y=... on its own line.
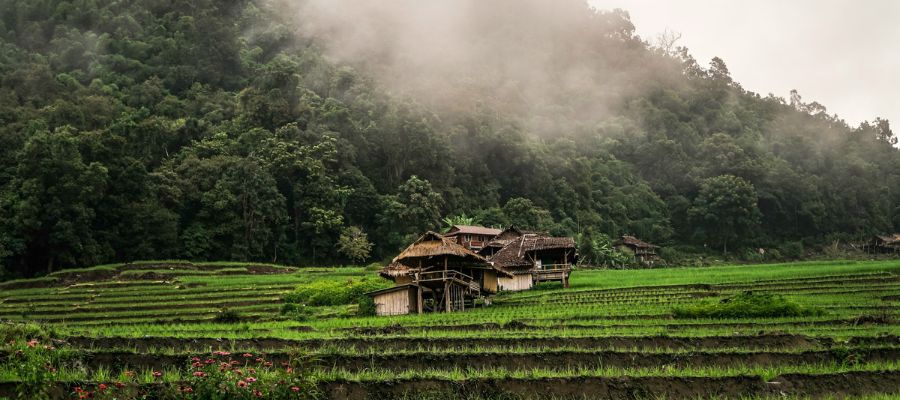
x=883, y=244
x=643, y=252
x=435, y=273
x=471, y=237
x=531, y=258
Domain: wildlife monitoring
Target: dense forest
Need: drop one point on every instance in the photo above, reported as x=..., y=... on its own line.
x=233, y=130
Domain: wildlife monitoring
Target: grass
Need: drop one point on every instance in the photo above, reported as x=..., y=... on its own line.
x=611, y=310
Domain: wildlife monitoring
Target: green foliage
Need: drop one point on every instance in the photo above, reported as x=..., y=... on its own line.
x=227, y=316
x=461, y=219
x=748, y=305
x=597, y=250
x=138, y=130
x=791, y=250
x=334, y=292
x=725, y=210
x=354, y=244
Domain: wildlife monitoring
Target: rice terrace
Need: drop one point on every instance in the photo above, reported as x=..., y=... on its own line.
x=612, y=334
x=449, y=199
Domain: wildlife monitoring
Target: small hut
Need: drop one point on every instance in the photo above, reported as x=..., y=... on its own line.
x=445, y=276
x=472, y=237
x=883, y=244
x=533, y=257
x=643, y=252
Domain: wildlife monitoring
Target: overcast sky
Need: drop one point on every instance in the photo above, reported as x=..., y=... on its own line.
x=844, y=54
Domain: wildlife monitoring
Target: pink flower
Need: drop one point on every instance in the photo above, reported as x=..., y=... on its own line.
x=102, y=387
x=250, y=379
x=248, y=355
x=32, y=343
x=195, y=359
x=295, y=389
x=199, y=374
x=257, y=393
x=241, y=384
x=157, y=374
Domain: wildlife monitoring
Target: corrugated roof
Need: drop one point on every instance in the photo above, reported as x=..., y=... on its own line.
x=473, y=230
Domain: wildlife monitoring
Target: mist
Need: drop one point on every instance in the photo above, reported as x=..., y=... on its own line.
x=550, y=63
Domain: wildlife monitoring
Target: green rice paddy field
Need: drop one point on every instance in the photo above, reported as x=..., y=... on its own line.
x=612, y=334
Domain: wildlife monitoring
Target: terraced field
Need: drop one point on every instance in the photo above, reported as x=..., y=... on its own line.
x=611, y=335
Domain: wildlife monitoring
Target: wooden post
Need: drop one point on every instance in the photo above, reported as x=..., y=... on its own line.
x=447, y=305
x=419, y=301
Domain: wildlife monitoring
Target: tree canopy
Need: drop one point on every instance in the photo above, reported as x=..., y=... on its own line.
x=210, y=130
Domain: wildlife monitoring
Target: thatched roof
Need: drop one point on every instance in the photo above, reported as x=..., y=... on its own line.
x=395, y=269
x=513, y=255
x=472, y=230
x=632, y=241
x=432, y=244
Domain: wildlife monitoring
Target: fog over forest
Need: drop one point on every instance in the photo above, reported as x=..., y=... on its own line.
x=279, y=130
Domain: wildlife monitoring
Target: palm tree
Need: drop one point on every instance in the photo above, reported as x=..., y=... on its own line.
x=461, y=219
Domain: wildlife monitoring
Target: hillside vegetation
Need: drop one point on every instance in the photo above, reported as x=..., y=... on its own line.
x=209, y=130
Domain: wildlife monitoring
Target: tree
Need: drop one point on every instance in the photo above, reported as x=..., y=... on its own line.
x=354, y=243
x=725, y=210
x=52, y=207
x=522, y=213
x=461, y=219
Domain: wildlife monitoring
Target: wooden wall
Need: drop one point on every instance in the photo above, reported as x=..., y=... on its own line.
x=490, y=281
x=395, y=303
x=516, y=283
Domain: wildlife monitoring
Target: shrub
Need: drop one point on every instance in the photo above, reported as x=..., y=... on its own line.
x=334, y=293
x=747, y=305
x=791, y=250
x=226, y=316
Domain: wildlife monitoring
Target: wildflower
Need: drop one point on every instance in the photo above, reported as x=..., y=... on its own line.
x=210, y=361
x=250, y=379
x=32, y=343
x=130, y=374
x=102, y=387
x=237, y=371
x=120, y=385
x=289, y=370
x=199, y=374
x=221, y=353
x=195, y=359
x=295, y=389
x=268, y=363
x=259, y=359
x=157, y=374
x=186, y=389
x=197, y=364
x=241, y=384
x=257, y=393
x=248, y=355
x=251, y=370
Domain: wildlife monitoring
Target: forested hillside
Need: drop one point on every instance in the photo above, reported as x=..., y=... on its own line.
x=211, y=130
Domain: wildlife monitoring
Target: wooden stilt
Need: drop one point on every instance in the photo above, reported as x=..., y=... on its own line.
x=420, y=303
x=447, y=304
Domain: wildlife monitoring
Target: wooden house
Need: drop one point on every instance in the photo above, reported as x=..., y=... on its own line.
x=444, y=275
x=531, y=258
x=884, y=244
x=470, y=236
x=643, y=252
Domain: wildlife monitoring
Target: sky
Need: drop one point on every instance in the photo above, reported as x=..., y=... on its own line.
x=844, y=54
